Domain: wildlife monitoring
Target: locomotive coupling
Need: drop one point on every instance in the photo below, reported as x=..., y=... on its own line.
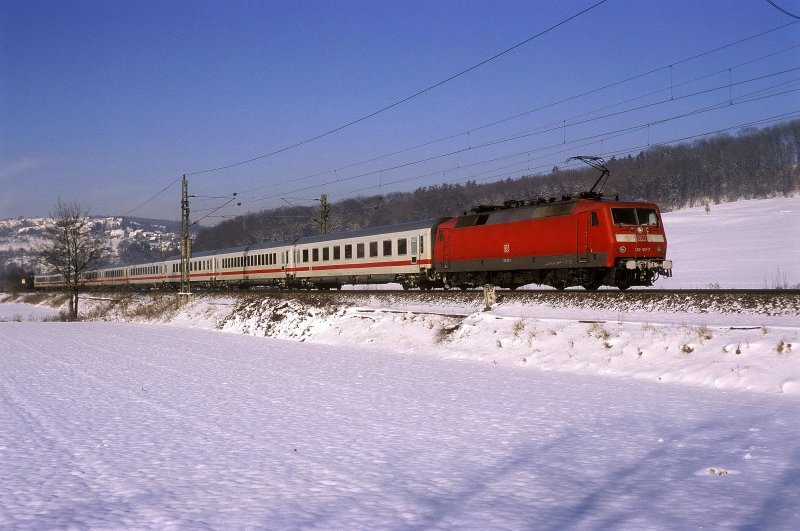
x=649, y=264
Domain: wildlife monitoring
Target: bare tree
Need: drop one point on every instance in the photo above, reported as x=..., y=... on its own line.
x=71, y=249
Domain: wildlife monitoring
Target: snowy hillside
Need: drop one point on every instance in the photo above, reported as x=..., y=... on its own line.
x=19, y=237
x=746, y=244
x=286, y=412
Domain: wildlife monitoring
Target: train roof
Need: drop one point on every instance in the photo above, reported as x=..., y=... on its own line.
x=269, y=245
x=371, y=231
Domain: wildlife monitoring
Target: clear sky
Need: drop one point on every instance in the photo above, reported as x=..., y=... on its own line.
x=109, y=102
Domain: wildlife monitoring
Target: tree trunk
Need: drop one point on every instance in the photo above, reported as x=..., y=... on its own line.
x=73, y=305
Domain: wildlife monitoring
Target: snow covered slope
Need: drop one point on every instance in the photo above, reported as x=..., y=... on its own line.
x=746, y=244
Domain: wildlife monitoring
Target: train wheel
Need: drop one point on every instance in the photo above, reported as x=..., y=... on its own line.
x=591, y=286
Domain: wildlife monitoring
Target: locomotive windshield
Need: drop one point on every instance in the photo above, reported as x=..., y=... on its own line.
x=635, y=216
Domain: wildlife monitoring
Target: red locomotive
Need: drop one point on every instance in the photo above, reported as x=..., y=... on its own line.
x=587, y=241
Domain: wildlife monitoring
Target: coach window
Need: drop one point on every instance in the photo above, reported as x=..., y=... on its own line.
x=315, y=254
x=348, y=251
x=360, y=250
x=387, y=247
x=402, y=247
x=326, y=253
x=373, y=249
x=337, y=253
x=421, y=245
x=305, y=255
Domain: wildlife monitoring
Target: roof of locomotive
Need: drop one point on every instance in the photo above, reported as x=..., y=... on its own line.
x=513, y=210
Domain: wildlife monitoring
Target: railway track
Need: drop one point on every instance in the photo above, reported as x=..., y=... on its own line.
x=730, y=301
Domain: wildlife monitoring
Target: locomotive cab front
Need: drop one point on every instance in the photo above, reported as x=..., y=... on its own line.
x=640, y=245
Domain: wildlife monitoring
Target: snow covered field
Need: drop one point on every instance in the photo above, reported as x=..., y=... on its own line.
x=394, y=413
x=747, y=244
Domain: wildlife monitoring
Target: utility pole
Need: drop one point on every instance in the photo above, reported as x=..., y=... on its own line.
x=324, y=213
x=185, y=293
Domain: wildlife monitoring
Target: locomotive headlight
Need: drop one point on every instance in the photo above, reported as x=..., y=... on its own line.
x=640, y=229
x=659, y=248
x=622, y=248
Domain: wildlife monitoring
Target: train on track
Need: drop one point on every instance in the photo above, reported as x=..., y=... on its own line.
x=586, y=241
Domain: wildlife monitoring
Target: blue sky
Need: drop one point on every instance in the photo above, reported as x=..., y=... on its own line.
x=108, y=103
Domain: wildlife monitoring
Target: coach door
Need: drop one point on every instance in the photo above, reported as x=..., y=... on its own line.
x=586, y=221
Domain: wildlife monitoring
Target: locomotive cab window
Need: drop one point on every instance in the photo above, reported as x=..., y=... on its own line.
x=635, y=216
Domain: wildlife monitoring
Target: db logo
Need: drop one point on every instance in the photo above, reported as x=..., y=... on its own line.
x=506, y=247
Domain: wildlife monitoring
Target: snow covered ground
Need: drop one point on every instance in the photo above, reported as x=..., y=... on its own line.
x=746, y=244
x=387, y=412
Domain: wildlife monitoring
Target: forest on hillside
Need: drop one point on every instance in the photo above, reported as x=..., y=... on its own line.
x=753, y=163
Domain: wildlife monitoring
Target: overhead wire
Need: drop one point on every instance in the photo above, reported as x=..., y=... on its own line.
x=598, y=89
x=626, y=151
x=593, y=138
x=530, y=111
x=407, y=98
x=529, y=134
x=782, y=10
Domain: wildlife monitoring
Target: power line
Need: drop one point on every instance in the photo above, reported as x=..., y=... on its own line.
x=782, y=10
x=407, y=98
x=143, y=203
x=503, y=120
x=594, y=138
x=552, y=104
x=540, y=131
x=625, y=151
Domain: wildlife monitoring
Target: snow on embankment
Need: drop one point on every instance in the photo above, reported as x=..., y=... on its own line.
x=744, y=354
